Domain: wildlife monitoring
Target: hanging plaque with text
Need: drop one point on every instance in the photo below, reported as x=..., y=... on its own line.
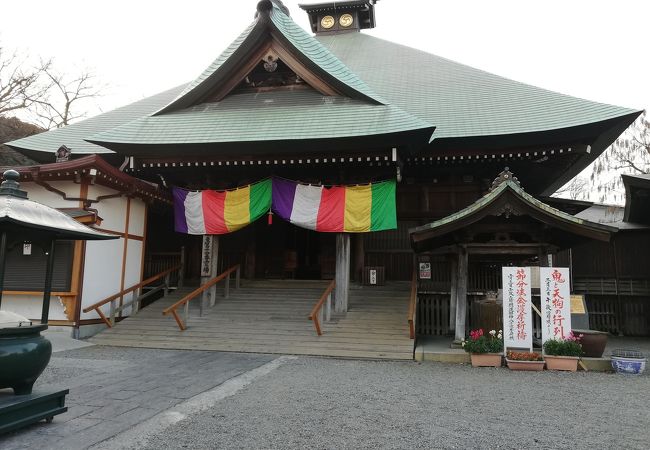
x=206, y=256
x=517, y=311
x=555, y=293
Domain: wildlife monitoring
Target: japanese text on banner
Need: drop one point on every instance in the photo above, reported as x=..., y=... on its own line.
x=517, y=316
x=556, y=307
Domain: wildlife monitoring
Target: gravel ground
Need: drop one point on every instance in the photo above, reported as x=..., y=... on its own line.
x=339, y=404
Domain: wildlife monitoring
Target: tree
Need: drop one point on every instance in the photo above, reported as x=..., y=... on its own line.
x=576, y=189
x=41, y=93
x=629, y=154
x=58, y=106
x=20, y=85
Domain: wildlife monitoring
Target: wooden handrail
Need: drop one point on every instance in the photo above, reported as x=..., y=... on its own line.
x=313, y=315
x=412, y=301
x=172, y=309
x=132, y=288
x=97, y=306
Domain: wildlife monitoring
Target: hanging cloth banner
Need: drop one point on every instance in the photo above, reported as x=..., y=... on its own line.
x=349, y=209
x=220, y=212
x=556, y=302
x=517, y=309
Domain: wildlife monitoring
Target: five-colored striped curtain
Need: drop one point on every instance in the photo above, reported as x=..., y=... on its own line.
x=350, y=209
x=220, y=212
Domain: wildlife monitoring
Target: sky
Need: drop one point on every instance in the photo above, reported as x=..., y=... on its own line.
x=595, y=49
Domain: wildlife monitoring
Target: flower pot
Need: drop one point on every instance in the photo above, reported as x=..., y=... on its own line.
x=486, y=359
x=634, y=366
x=568, y=363
x=525, y=365
x=628, y=361
x=593, y=342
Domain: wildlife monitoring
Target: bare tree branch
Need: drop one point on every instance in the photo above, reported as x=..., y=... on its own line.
x=20, y=85
x=59, y=107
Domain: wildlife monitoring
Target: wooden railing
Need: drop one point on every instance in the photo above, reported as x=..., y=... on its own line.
x=136, y=296
x=185, y=301
x=317, y=315
x=412, y=304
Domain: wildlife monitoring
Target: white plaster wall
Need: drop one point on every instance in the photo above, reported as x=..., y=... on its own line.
x=112, y=210
x=133, y=268
x=102, y=273
x=41, y=195
x=137, y=218
x=31, y=306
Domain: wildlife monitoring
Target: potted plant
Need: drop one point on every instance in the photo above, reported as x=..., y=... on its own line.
x=563, y=354
x=484, y=350
x=524, y=361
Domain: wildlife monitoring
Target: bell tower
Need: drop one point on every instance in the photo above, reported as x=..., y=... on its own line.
x=341, y=16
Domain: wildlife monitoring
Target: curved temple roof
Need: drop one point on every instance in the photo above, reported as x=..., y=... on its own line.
x=387, y=88
x=506, y=197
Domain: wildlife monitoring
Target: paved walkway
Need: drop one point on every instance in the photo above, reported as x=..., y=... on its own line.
x=113, y=389
x=124, y=398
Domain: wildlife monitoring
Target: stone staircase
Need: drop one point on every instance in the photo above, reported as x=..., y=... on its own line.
x=271, y=316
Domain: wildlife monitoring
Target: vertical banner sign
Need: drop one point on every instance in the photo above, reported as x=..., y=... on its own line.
x=556, y=304
x=517, y=310
x=206, y=256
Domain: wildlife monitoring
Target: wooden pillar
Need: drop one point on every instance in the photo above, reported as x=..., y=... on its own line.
x=209, y=268
x=461, y=294
x=342, y=272
x=3, y=257
x=453, y=267
x=214, y=269
x=359, y=257
x=47, y=291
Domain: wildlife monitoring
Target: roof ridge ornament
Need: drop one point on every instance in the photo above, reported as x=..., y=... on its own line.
x=503, y=177
x=265, y=7
x=10, y=185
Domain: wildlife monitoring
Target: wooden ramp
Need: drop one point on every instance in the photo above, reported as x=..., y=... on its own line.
x=271, y=317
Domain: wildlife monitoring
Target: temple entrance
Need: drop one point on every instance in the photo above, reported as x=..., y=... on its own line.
x=283, y=250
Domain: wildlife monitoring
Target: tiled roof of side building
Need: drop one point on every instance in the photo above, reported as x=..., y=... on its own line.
x=74, y=136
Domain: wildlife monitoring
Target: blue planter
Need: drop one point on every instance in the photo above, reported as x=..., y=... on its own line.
x=634, y=366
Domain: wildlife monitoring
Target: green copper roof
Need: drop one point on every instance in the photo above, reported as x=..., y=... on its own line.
x=421, y=89
x=303, y=43
x=73, y=136
x=494, y=194
x=269, y=116
x=459, y=100
x=320, y=55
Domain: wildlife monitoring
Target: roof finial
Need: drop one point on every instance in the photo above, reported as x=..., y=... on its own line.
x=10, y=185
x=503, y=177
x=265, y=7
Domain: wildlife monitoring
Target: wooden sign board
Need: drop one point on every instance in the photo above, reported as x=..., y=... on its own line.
x=555, y=292
x=578, y=304
x=517, y=308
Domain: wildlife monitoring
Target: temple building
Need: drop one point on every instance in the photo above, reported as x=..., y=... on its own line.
x=336, y=112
